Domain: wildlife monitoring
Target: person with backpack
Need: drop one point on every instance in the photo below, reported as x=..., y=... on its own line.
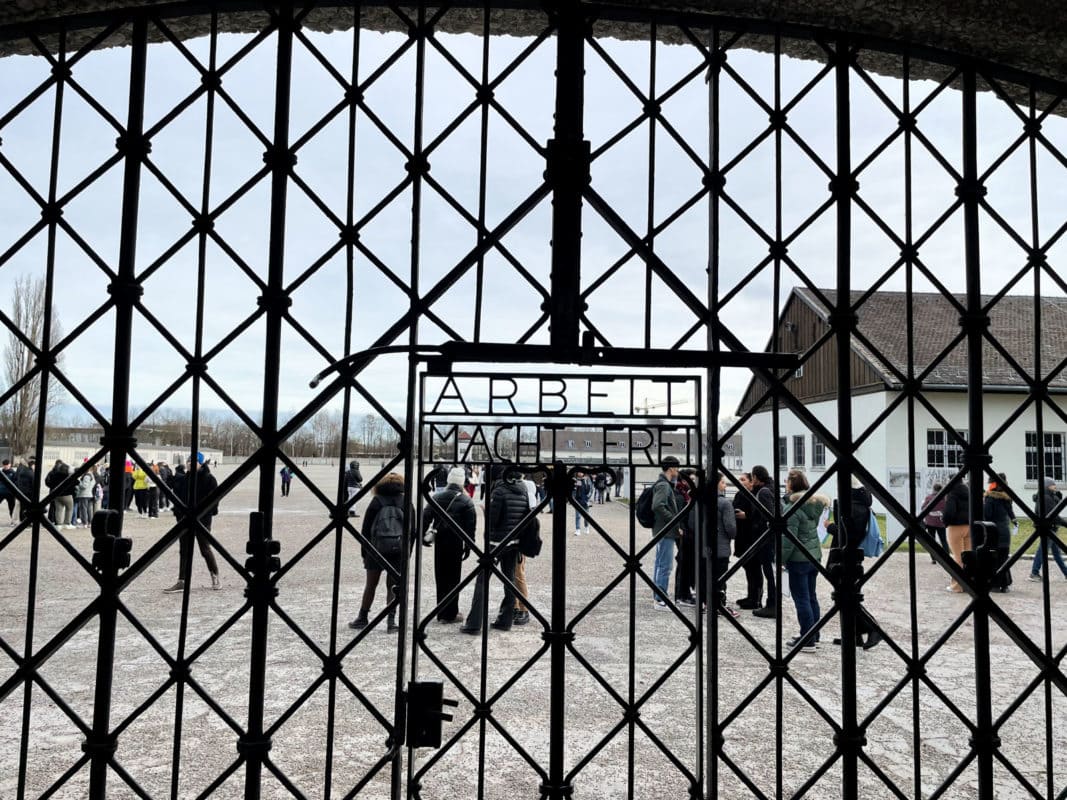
x=665, y=528
x=287, y=478
x=449, y=547
x=383, y=549
x=508, y=505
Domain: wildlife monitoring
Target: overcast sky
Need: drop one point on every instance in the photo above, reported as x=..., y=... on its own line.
x=509, y=304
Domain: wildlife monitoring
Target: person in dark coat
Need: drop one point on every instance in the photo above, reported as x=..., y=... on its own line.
x=765, y=507
x=24, y=483
x=997, y=508
x=743, y=541
x=389, y=491
x=7, y=488
x=508, y=504
x=449, y=548
x=859, y=519
x=957, y=527
x=353, y=483
x=197, y=483
x=686, y=591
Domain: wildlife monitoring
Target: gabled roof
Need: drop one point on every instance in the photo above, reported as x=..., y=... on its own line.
x=882, y=320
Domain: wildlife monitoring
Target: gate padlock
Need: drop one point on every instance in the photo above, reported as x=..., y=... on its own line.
x=425, y=713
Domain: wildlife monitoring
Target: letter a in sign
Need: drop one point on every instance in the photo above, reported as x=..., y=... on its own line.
x=446, y=396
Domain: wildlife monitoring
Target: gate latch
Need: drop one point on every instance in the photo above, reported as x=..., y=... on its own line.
x=425, y=713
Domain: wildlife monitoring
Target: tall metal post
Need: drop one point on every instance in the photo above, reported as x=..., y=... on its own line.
x=567, y=169
x=558, y=636
x=847, y=569
x=118, y=438
x=261, y=590
x=974, y=321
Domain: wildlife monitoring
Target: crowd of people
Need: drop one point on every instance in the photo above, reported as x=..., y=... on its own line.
x=741, y=530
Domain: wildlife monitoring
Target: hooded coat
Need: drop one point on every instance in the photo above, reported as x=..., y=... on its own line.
x=388, y=491
x=508, y=504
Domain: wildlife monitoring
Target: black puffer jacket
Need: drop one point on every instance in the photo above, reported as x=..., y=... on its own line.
x=460, y=508
x=508, y=504
x=956, y=506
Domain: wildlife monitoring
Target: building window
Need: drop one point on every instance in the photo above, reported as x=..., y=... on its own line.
x=570, y=443
x=588, y=444
x=1054, y=456
x=818, y=453
x=943, y=450
x=799, y=373
x=798, y=451
x=783, y=451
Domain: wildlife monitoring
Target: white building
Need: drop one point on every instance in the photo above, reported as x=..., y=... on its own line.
x=929, y=445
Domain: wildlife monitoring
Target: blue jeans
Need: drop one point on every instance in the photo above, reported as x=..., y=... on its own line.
x=580, y=521
x=1039, y=557
x=661, y=571
x=802, y=577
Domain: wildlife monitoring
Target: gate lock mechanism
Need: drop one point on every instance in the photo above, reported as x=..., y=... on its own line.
x=425, y=713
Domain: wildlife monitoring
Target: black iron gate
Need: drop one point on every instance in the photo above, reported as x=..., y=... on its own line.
x=511, y=425
x=98, y=131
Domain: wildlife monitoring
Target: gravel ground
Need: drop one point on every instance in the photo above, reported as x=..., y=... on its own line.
x=607, y=757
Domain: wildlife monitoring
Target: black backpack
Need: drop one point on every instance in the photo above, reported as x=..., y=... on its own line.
x=387, y=532
x=643, y=508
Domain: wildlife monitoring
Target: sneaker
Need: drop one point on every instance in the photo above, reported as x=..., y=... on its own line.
x=728, y=611
x=689, y=602
x=767, y=612
x=577, y=533
x=521, y=617
x=216, y=584
x=1034, y=577
x=659, y=605
x=809, y=646
x=175, y=589
x=746, y=603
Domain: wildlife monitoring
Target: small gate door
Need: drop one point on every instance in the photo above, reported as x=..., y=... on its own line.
x=583, y=684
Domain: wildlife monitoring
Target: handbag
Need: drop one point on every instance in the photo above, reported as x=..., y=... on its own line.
x=430, y=534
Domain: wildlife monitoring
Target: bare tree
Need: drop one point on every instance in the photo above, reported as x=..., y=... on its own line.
x=18, y=417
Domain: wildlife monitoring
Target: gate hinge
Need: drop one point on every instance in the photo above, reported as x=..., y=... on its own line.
x=425, y=702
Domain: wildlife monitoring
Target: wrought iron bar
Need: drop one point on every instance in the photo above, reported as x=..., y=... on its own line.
x=261, y=590
x=850, y=741
x=558, y=636
x=974, y=323
x=567, y=168
x=119, y=438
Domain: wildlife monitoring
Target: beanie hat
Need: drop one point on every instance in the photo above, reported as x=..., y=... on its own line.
x=456, y=477
x=1049, y=482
